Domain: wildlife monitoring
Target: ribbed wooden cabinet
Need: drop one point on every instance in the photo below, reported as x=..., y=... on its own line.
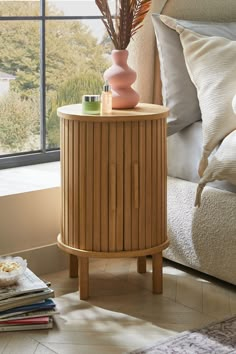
x=113, y=171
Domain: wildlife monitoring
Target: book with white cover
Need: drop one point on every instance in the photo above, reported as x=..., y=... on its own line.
x=26, y=299
x=27, y=283
x=44, y=305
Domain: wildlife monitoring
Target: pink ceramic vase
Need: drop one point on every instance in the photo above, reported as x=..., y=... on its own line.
x=120, y=76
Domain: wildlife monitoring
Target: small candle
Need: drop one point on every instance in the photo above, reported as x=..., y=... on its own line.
x=91, y=104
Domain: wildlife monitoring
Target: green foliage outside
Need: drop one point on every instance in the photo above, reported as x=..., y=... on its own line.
x=75, y=64
x=19, y=122
x=19, y=8
x=71, y=92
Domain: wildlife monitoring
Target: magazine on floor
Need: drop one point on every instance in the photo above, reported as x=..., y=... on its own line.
x=26, y=327
x=27, y=304
x=25, y=299
x=33, y=314
x=45, y=306
x=27, y=283
x=23, y=321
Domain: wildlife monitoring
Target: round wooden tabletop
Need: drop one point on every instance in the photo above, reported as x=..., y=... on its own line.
x=143, y=111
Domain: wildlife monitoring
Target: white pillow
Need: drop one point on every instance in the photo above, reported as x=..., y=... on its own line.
x=211, y=63
x=178, y=92
x=222, y=165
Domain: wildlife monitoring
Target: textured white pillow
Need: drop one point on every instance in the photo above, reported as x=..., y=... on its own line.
x=179, y=94
x=222, y=165
x=211, y=63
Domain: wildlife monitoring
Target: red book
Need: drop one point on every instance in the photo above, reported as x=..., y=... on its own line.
x=24, y=321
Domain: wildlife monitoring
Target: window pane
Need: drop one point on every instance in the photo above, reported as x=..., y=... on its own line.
x=19, y=8
x=19, y=87
x=75, y=7
x=75, y=62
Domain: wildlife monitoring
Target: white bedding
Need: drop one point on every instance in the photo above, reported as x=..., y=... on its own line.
x=184, y=152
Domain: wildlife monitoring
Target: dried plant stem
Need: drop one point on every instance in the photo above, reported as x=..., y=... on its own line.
x=129, y=18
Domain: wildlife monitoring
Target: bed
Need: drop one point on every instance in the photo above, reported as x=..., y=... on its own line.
x=203, y=237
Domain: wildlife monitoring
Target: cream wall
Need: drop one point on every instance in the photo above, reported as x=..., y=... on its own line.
x=143, y=58
x=29, y=219
x=29, y=225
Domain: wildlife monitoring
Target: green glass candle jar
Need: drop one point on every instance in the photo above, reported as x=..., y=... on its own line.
x=91, y=104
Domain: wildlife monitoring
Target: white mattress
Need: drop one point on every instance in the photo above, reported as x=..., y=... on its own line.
x=184, y=151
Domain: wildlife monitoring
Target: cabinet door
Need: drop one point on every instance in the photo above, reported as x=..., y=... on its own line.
x=144, y=184
x=127, y=186
x=112, y=186
x=135, y=185
x=116, y=186
x=120, y=186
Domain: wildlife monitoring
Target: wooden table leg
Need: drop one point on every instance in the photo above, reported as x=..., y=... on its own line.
x=73, y=266
x=157, y=273
x=141, y=264
x=84, y=278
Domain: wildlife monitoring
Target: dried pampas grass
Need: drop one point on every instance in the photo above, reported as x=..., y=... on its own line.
x=128, y=19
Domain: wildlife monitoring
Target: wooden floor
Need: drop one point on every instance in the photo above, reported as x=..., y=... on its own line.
x=122, y=314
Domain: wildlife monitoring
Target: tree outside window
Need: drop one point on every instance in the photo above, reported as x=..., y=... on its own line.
x=74, y=58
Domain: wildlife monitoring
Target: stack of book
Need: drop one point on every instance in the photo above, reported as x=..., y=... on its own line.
x=26, y=305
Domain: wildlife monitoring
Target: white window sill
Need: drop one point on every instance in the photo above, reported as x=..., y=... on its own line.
x=29, y=178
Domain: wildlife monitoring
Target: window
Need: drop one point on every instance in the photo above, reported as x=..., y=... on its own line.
x=51, y=53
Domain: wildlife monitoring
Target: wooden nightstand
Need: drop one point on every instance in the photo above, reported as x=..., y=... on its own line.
x=114, y=173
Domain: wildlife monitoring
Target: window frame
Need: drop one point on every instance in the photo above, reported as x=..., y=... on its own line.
x=42, y=155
